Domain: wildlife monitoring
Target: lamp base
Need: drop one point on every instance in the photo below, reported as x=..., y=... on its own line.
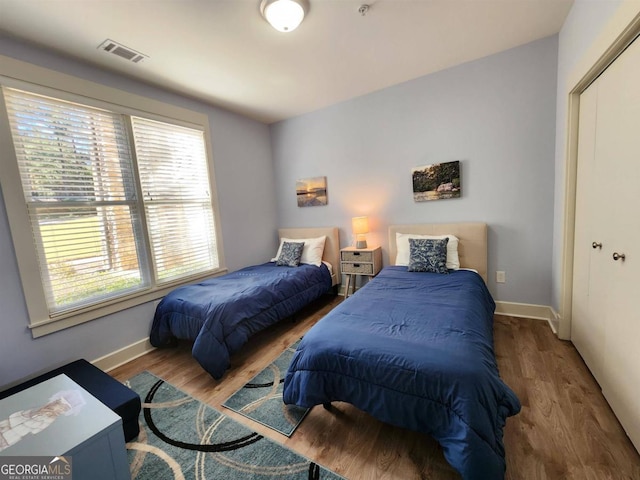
x=361, y=244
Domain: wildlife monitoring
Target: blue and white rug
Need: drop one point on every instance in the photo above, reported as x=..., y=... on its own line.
x=261, y=398
x=182, y=438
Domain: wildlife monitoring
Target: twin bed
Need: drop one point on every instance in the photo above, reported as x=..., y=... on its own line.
x=415, y=350
x=412, y=349
x=220, y=314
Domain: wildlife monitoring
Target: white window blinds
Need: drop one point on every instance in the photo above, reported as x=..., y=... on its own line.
x=77, y=178
x=81, y=175
x=177, y=201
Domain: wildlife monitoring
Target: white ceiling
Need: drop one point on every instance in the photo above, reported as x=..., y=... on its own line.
x=224, y=52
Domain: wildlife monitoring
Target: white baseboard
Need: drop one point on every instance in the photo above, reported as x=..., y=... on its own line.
x=527, y=310
x=554, y=322
x=124, y=355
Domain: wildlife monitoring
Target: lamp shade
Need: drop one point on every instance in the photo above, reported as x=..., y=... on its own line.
x=360, y=225
x=284, y=15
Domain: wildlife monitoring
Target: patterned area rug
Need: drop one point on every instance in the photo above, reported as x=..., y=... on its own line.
x=261, y=398
x=182, y=438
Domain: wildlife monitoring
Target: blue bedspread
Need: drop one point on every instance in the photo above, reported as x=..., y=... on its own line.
x=220, y=314
x=414, y=350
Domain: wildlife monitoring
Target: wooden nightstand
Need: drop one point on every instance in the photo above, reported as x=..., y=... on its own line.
x=359, y=261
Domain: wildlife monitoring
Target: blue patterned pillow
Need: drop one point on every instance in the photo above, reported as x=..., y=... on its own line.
x=290, y=254
x=427, y=255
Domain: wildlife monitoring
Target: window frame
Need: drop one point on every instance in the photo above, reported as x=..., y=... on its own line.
x=39, y=80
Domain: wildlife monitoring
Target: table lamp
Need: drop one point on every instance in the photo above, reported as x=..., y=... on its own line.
x=360, y=226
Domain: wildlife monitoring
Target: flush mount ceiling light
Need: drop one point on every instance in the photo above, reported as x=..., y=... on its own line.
x=284, y=15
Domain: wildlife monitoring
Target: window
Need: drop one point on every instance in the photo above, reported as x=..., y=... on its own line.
x=177, y=201
x=118, y=205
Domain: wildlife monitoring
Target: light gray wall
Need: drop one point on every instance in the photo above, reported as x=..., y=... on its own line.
x=582, y=26
x=245, y=187
x=496, y=115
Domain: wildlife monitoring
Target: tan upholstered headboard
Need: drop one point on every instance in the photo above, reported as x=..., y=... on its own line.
x=472, y=248
x=331, y=252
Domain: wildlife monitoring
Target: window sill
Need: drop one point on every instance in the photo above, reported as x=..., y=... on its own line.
x=70, y=319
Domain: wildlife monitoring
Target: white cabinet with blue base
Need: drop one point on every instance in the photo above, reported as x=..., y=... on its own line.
x=59, y=418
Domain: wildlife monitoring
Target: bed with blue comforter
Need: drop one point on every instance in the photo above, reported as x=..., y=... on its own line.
x=414, y=350
x=220, y=314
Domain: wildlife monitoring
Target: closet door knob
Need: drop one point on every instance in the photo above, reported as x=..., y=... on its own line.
x=618, y=256
x=596, y=245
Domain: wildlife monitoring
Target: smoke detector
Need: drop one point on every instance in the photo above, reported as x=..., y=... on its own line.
x=121, y=51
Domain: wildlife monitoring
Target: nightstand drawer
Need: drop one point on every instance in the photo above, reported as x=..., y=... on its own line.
x=357, y=268
x=357, y=256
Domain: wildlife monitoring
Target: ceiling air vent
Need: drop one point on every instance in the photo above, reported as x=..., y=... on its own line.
x=121, y=51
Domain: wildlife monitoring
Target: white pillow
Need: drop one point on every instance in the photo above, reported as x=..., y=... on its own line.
x=312, y=251
x=402, y=245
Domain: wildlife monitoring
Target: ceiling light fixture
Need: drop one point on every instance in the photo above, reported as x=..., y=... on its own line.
x=284, y=15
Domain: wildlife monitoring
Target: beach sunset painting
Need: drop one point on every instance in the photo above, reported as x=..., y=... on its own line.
x=311, y=192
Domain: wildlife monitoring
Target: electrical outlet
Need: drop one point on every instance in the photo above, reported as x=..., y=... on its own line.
x=501, y=277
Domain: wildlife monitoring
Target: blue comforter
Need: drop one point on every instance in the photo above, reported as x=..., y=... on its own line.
x=220, y=314
x=414, y=350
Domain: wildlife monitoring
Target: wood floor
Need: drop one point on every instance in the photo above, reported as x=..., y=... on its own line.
x=565, y=430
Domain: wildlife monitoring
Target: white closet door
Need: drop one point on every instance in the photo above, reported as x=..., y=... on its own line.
x=618, y=147
x=587, y=326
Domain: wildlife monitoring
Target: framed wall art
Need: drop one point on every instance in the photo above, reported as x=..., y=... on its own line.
x=311, y=192
x=436, y=181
